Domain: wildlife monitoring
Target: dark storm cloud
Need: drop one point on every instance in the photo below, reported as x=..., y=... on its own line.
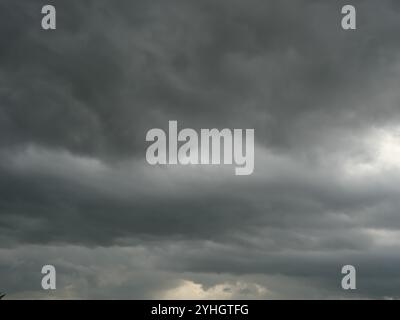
x=108, y=74
x=76, y=103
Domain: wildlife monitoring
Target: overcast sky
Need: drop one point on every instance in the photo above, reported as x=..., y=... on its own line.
x=76, y=190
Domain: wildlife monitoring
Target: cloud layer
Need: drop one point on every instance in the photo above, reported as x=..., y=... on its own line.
x=76, y=191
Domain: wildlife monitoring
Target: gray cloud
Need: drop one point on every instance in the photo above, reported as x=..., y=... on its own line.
x=76, y=103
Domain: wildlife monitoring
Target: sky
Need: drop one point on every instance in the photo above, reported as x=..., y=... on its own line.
x=76, y=191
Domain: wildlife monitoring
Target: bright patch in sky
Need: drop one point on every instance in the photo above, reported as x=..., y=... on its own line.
x=383, y=149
